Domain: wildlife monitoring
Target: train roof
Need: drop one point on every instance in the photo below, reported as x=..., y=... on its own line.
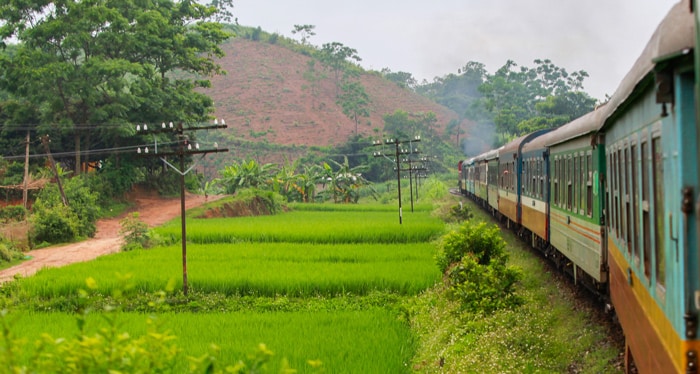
x=674, y=36
x=586, y=124
x=516, y=145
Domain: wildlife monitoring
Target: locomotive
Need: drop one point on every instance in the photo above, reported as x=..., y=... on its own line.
x=612, y=198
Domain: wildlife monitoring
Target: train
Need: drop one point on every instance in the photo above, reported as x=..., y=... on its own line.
x=612, y=198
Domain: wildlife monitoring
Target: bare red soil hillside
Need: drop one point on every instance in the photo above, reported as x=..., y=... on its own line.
x=265, y=97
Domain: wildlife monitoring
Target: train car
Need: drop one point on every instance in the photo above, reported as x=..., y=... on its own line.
x=491, y=160
x=462, y=177
x=479, y=177
x=535, y=192
x=576, y=202
x=651, y=146
x=466, y=171
x=509, y=178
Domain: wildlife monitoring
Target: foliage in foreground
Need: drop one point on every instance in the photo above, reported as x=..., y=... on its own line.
x=474, y=260
x=112, y=350
x=525, y=338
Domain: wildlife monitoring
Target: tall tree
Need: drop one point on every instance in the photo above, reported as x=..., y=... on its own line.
x=401, y=78
x=525, y=99
x=354, y=101
x=314, y=77
x=337, y=57
x=89, y=69
x=305, y=32
x=457, y=91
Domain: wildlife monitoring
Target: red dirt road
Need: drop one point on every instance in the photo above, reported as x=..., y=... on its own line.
x=154, y=211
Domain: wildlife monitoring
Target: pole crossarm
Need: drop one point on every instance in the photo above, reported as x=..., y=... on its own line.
x=399, y=151
x=184, y=148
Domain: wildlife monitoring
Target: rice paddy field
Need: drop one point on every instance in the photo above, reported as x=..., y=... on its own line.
x=334, y=271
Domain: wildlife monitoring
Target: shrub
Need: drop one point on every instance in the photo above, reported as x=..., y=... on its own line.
x=55, y=223
x=474, y=260
x=13, y=213
x=136, y=233
x=52, y=226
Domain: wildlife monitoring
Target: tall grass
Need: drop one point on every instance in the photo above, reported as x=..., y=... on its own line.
x=371, y=341
x=264, y=269
x=334, y=227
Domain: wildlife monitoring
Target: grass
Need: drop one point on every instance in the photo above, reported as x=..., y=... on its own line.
x=368, y=341
x=326, y=282
x=261, y=269
x=333, y=227
x=544, y=335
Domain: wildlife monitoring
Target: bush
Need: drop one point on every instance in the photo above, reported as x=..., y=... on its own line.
x=136, y=233
x=53, y=226
x=13, y=213
x=474, y=259
x=55, y=223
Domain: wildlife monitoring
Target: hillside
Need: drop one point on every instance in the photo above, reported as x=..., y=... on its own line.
x=264, y=97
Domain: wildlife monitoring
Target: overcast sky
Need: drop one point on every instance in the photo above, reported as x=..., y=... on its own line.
x=434, y=38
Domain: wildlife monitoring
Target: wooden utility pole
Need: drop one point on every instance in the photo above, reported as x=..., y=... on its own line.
x=26, y=173
x=184, y=148
x=45, y=141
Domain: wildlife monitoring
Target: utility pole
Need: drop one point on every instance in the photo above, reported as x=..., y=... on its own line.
x=26, y=173
x=399, y=151
x=184, y=148
x=45, y=141
x=413, y=169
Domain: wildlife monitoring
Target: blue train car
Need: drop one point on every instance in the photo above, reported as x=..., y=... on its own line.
x=535, y=191
x=651, y=146
x=509, y=177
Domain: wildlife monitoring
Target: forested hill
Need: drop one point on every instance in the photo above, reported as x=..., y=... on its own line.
x=269, y=94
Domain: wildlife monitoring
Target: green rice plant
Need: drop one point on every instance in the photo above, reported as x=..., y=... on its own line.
x=260, y=269
x=365, y=207
x=370, y=341
x=333, y=227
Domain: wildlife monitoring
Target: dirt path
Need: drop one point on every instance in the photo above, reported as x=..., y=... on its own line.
x=154, y=211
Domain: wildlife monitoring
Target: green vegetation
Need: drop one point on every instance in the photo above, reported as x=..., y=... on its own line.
x=332, y=287
x=545, y=332
x=331, y=227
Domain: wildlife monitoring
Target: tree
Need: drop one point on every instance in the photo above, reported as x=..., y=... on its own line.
x=344, y=183
x=527, y=99
x=91, y=69
x=457, y=91
x=314, y=77
x=304, y=31
x=354, y=101
x=336, y=57
x=246, y=174
x=401, y=78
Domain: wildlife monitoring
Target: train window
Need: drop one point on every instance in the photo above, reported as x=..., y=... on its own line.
x=569, y=191
x=589, y=186
x=562, y=181
x=608, y=195
x=616, y=192
x=627, y=213
x=646, y=229
x=635, y=202
x=581, y=184
x=658, y=177
x=541, y=176
x=536, y=177
x=556, y=182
